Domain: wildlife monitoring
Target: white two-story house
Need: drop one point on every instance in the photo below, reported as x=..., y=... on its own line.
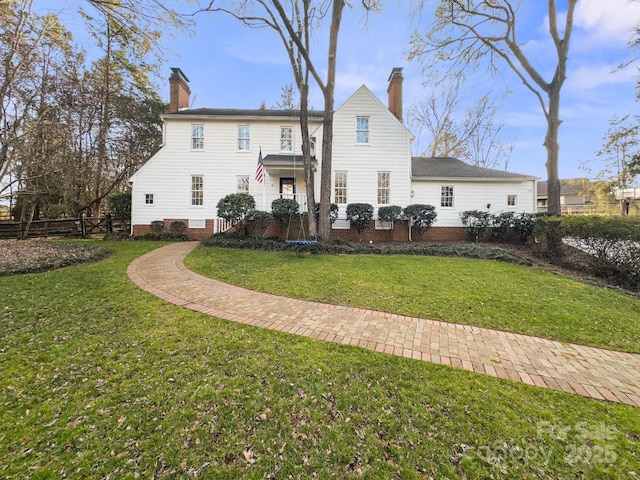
x=210, y=153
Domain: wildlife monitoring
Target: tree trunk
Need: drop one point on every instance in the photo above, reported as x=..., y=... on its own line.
x=307, y=160
x=553, y=151
x=104, y=123
x=324, y=226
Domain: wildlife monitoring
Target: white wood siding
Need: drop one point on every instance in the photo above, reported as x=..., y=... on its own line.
x=477, y=195
x=167, y=175
x=389, y=150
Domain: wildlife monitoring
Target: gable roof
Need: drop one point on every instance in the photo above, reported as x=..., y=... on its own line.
x=364, y=90
x=447, y=168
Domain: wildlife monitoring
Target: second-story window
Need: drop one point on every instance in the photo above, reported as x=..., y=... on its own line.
x=197, y=137
x=286, y=139
x=362, y=130
x=244, y=137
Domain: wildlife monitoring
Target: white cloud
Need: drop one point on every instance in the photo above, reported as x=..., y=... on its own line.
x=609, y=21
x=589, y=77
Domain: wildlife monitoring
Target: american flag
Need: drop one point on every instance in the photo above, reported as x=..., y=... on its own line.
x=259, y=170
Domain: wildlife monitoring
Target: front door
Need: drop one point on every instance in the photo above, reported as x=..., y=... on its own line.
x=287, y=187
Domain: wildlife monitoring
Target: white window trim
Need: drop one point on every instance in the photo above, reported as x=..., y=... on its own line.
x=281, y=138
x=368, y=130
x=248, y=149
x=515, y=205
x=453, y=197
x=380, y=225
x=153, y=200
x=341, y=224
x=387, y=188
x=197, y=223
x=191, y=138
x=191, y=205
x=248, y=183
x=346, y=189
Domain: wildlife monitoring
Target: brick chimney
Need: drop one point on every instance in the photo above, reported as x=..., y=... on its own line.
x=395, y=92
x=179, y=91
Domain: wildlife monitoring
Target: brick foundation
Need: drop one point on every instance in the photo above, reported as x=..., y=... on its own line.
x=399, y=234
x=193, y=233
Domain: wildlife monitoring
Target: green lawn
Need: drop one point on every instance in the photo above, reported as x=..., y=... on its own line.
x=99, y=379
x=474, y=292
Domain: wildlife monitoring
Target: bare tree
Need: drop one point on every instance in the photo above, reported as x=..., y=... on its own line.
x=469, y=134
x=294, y=22
x=467, y=34
x=619, y=151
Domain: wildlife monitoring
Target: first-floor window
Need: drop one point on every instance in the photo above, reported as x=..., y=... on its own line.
x=384, y=187
x=197, y=190
x=242, y=182
x=512, y=201
x=148, y=198
x=340, y=188
x=446, y=196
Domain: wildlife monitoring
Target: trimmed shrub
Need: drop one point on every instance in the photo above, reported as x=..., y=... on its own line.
x=476, y=223
x=337, y=247
x=163, y=236
x=390, y=214
x=257, y=222
x=613, y=244
x=177, y=226
x=156, y=226
x=421, y=216
x=360, y=216
x=524, y=225
x=500, y=225
x=235, y=206
x=284, y=208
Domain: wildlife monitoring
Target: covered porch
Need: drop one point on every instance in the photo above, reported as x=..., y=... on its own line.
x=283, y=178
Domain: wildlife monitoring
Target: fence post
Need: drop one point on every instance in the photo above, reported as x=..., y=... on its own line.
x=83, y=227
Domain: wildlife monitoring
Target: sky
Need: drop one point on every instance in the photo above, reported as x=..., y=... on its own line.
x=232, y=66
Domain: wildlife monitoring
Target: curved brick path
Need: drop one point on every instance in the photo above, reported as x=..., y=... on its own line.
x=587, y=371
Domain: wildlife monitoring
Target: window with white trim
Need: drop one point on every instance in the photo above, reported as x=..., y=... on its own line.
x=197, y=190
x=362, y=130
x=446, y=196
x=286, y=139
x=244, y=137
x=148, y=198
x=242, y=182
x=512, y=201
x=197, y=137
x=384, y=188
x=340, y=188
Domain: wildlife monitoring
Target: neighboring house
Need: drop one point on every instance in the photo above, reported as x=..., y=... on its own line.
x=575, y=196
x=210, y=153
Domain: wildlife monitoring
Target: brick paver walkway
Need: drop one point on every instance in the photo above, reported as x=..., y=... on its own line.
x=587, y=371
